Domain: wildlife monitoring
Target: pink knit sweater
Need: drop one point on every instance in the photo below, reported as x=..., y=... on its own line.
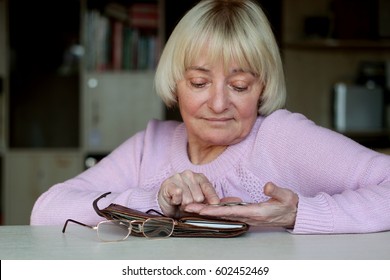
x=343, y=187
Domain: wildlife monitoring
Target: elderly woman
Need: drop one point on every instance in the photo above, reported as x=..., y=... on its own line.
x=222, y=68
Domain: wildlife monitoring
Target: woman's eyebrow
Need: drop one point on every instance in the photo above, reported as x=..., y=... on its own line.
x=232, y=71
x=198, y=68
x=242, y=70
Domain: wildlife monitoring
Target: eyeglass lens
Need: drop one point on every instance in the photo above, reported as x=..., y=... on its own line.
x=158, y=228
x=117, y=230
x=113, y=230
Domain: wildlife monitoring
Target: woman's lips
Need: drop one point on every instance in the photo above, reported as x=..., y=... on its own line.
x=218, y=119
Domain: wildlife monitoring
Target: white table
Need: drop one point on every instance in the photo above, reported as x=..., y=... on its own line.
x=48, y=242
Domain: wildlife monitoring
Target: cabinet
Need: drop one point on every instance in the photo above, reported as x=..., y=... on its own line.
x=3, y=74
x=29, y=174
x=325, y=42
x=56, y=108
x=39, y=115
x=43, y=99
x=3, y=90
x=122, y=41
x=113, y=113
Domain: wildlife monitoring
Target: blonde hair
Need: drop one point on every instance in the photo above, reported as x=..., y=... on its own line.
x=231, y=30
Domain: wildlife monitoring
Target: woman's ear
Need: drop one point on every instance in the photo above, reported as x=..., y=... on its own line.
x=260, y=101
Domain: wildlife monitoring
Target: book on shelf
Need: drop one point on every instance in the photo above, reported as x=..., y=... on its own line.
x=137, y=15
x=144, y=15
x=140, y=52
x=117, y=45
x=129, y=40
x=122, y=37
x=117, y=11
x=98, y=48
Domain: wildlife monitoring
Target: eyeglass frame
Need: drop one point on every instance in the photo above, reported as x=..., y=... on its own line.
x=140, y=223
x=97, y=227
x=130, y=230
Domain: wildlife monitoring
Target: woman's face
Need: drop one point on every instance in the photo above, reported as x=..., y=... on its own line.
x=219, y=107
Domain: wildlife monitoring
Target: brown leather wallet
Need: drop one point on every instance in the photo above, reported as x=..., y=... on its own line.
x=186, y=226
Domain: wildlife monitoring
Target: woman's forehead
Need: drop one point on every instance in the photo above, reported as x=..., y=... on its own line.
x=202, y=64
x=208, y=57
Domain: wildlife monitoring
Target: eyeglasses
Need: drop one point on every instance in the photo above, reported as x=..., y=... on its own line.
x=118, y=230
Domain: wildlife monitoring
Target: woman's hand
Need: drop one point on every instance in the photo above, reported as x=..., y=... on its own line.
x=185, y=188
x=279, y=210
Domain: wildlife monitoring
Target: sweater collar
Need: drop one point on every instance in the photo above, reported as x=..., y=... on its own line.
x=214, y=169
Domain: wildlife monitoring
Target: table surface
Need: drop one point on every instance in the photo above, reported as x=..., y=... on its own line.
x=78, y=243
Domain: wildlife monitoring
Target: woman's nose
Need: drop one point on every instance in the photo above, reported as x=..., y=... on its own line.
x=218, y=99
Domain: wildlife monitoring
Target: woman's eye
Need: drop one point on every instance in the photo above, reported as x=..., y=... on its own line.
x=198, y=85
x=239, y=88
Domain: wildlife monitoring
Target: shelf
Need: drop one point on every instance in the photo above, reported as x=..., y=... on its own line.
x=333, y=44
x=372, y=140
x=120, y=72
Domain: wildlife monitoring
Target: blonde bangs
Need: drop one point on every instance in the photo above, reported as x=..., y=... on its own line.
x=222, y=47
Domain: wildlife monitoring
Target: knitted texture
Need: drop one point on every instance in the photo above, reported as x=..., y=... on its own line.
x=342, y=186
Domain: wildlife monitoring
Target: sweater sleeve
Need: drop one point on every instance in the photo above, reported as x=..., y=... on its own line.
x=119, y=173
x=343, y=187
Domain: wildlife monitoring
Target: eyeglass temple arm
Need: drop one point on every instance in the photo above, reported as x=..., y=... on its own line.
x=155, y=211
x=76, y=222
x=95, y=206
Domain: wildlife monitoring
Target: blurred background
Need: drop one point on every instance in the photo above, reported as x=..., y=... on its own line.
x=76, y=79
